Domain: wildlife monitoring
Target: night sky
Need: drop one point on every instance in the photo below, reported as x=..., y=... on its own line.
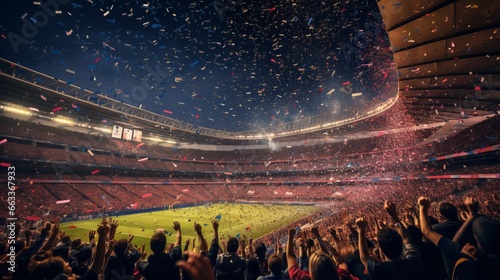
x=229, y=65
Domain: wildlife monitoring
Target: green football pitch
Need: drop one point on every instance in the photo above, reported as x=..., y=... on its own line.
x=235, y=219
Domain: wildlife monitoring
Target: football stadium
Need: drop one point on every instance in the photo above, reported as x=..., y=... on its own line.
x=234, y=139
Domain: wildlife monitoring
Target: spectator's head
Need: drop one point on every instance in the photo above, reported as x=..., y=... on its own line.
x=448, y=211
x=120, y=247
x=49, y=269
x=486, y=232
x=275, y=265
x=260, y=250
x=390, y=243
x=321, y=266
x=433, y=221
x=3, y=248
x=253, y=269
x=18, y=245
x=76, y=243
x=61, y=251
x=416, y=235
x=158, y=242
x=66, y=240
x=84, y=254
x=41, y=255
x=232, y=245
x=310, y=243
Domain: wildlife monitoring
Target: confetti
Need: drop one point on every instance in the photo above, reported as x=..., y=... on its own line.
x=63, y=201
x=261, y=60
x=139, y=145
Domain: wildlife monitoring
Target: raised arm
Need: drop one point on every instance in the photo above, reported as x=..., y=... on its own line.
x=214, y=247
x=364, y=255
x=53, y=235
x=198, y=267
x=321, y=242
x=391, y=210
x=186, y=247
x=279, y=249
x=425, y=226
x=301, y=244
x=113, y=226
x=338, y=245
x=177, y=228
x=201, y=239
x=464, y=232
x=97, y=265
x=242, y=242
x=290, y=256
x=251, y=251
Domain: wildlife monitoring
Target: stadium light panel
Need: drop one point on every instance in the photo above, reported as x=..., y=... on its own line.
x=16, y=111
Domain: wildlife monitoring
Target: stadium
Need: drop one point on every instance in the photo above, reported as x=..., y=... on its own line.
x=304, y=131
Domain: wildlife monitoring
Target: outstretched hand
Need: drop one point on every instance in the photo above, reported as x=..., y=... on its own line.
x=333, y=232
x=197, y=228
x=197, y=266
x=424, y=203
x=472, y=205
x=362, y=224
x=215, y=224
x=103, y=229
x=176, y=226
x=315, y=231
x=390, y=208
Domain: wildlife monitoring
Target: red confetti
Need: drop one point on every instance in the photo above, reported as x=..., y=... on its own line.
x=139, y=145
x=168, y=112
x=346, y=83
x=5, y=164
x=97, y=59
x=57, y=109
x=95, y=171
x=273, y=60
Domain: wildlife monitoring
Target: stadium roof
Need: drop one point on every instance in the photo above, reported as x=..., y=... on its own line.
x=447, y=55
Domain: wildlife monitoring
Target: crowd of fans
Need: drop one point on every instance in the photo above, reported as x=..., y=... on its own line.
x=400, y=229
x=113, y=194
x=480, y=135
x=419, y=230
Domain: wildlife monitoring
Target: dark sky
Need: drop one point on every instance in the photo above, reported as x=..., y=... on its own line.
x=229, y=65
